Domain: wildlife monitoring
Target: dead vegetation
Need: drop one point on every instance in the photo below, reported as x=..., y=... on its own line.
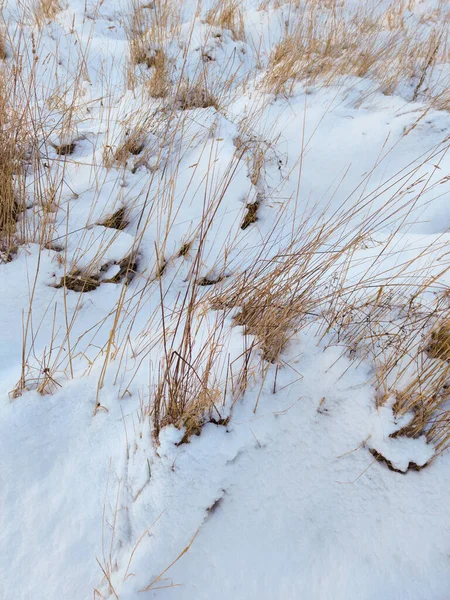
x=128, y=267
x=412, y=466
x=150, y=29
x=210, y=280
x=326, y=41
x=227, y=14
x=45, y=11
x=79, y=281
x=320, y=43
x=276, y=296
x=133, y=143
x=158, y=84
x=12, y=165
x=189, y=392
x=184, y=250
x=251, y=214
x=191, y=95
x=117, y=220
x=129, y=148
x=3, y=46
x=65, y=149
x=439, y=344
x=407, y=340
x=89, y=279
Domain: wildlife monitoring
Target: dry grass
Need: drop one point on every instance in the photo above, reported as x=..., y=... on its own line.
x=79, y=281
x=322, y=42
x=139, y=30
x=150, y=30
x=12, y=165
x=325, y=41
x=175, y=318
x=189, y=391
x=65, y=149
x=130, y=144
x=159, y=83
x=191, y=95
x=251, y=215
x=133, y=143
x=117, y=220
x=3, y=46
x=277, y=295
x=45, y=11
x=227, y=14
x=439, y=344
x=407, y=340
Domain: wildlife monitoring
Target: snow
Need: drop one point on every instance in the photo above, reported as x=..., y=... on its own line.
x=400, y=451
x=286, y=500
x=329, y=523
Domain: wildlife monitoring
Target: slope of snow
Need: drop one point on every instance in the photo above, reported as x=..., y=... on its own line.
x=286, y=500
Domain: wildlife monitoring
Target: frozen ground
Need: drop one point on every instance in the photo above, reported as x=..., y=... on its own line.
x=286, y=500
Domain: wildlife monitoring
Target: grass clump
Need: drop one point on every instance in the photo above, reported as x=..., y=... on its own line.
x=79, y=281
x=65, y=149
x=12, y=166
x=196, y=95
x=89, y=279
x=3, y=46
x=226, y=14
x=158, y=84
x=133, y=144
x=326, y=41
x=408, y=343
x=439, y=345
x=184, y=250
x=189, y=393
x=251, y=215
x=128, y=267
x=45, y=11
x=117, y=220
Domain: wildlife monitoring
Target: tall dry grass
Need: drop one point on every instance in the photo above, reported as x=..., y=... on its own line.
x=326, y=41
x=181, y=344
x=321, y=43
x=13, y=148
x=45, y=11
x=228, y=15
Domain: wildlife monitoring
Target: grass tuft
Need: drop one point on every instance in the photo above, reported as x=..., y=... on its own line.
x=251, y=215
x=226, y=14
x=117, y=220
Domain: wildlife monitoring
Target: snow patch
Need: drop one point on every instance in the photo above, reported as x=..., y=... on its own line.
x=401, y=451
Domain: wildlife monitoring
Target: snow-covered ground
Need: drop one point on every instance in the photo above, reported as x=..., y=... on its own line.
x=295, y=487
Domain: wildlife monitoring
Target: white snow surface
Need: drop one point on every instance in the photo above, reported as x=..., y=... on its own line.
x=285, y=501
